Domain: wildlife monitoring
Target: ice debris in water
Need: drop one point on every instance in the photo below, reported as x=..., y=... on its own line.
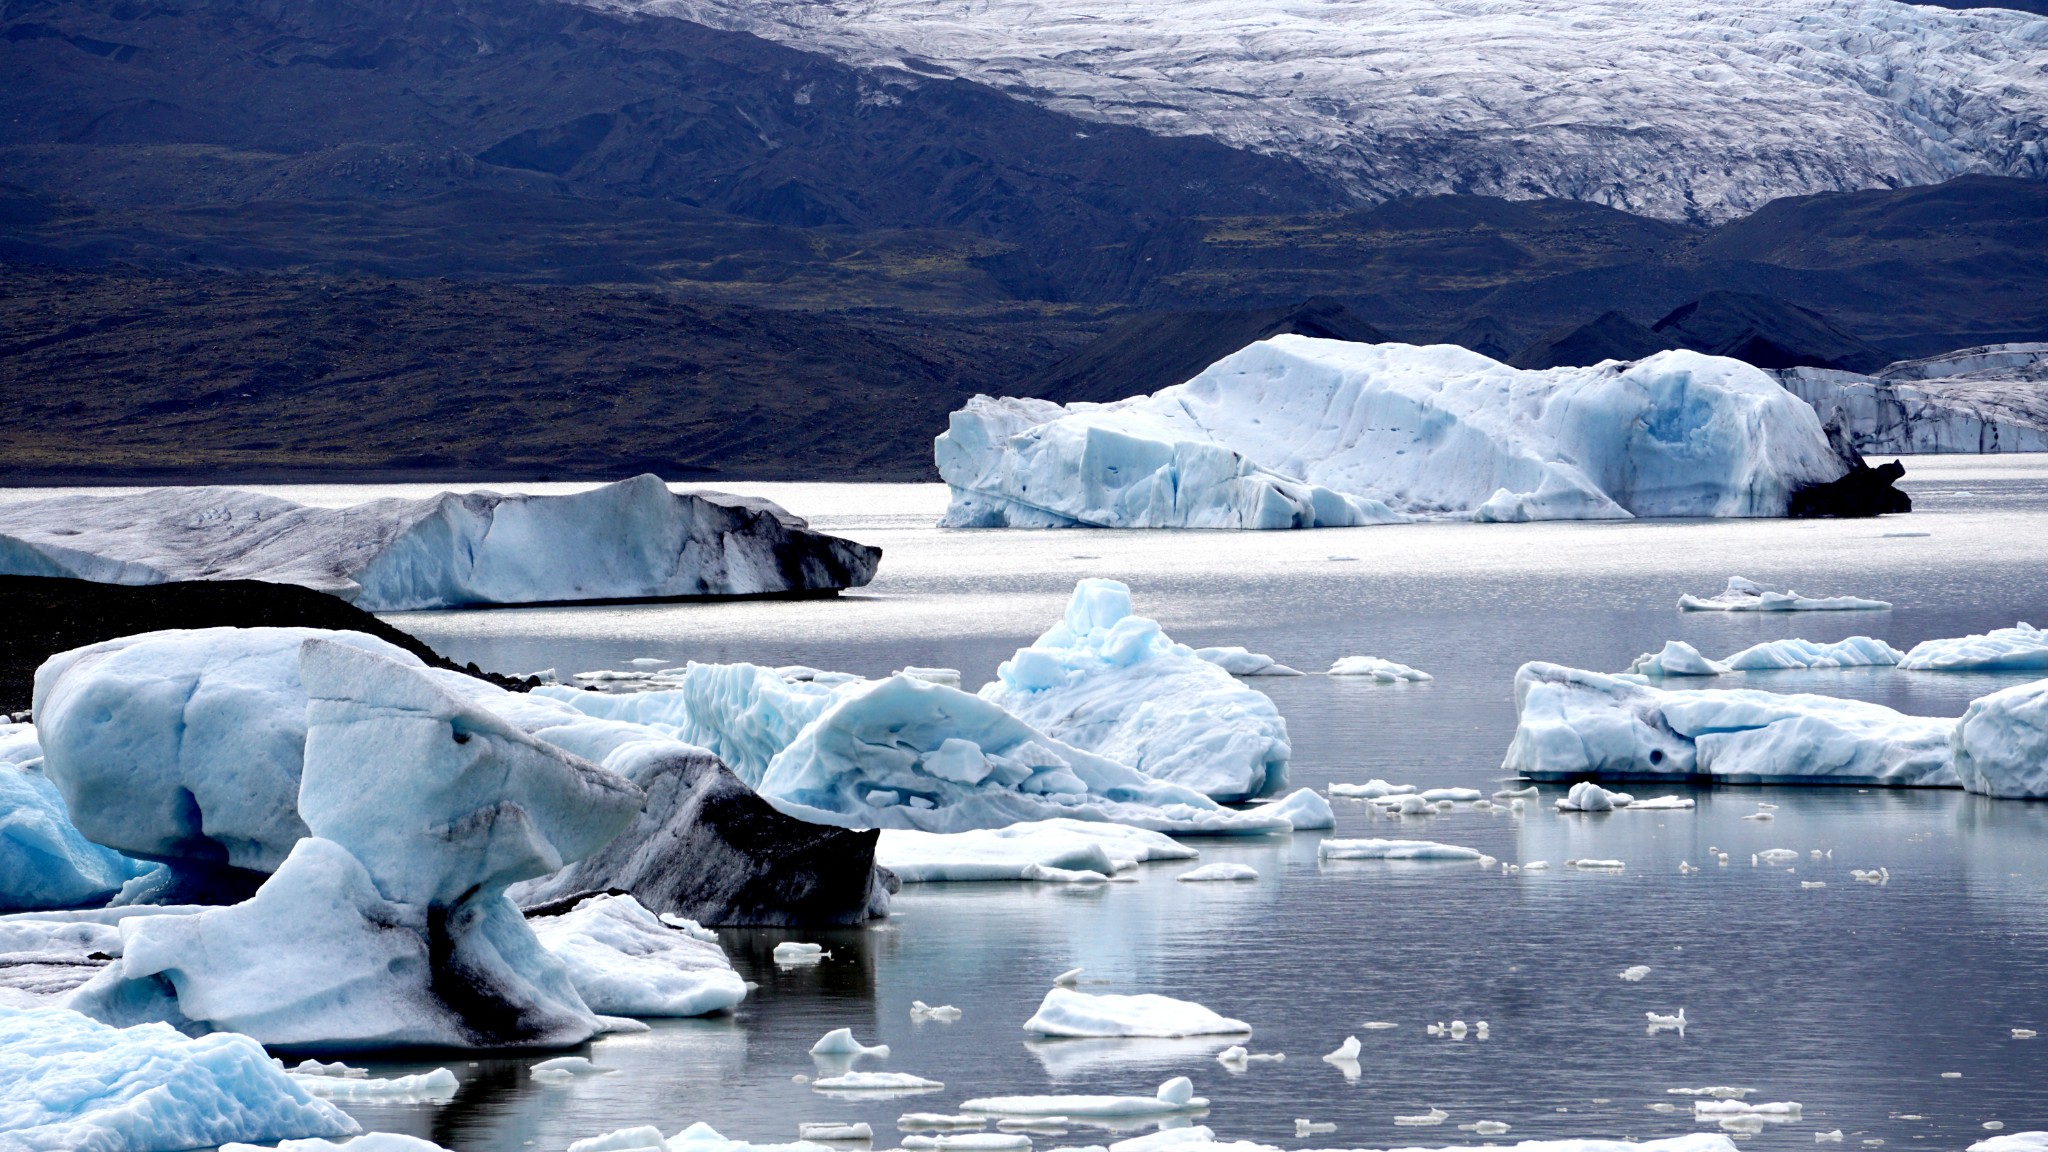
x=437, y=1086
x=337, y=1068
x=1871, y=875
x=1069, y=978
x=1427, y=1119
x=1485, y=1127
x=1586, y=796
x=1236, y=1057
x=1719, y=1092
x=1743, y=595
x=1596, y=865
x=1346, y=1056
x=1676, y=658
x=950, y=677
x=1393, y=850
x=911, y=1121
x=2024, y=1033
x=1176, y=1095
x=1454, y=795
x=1813, y=883
x=834, y=1130
x=1635, y=972
x=875, y=1082
x=1785, y=1108
x=1661, y=1023
x=1220, y=872
x=840, y=1042
x=1775, y=856
x=1379, y=1025
x=1373, y=789
x=1239, y=662
x=969, y=1142
x=1378, y=670
x=1832, y=1136
x=943, y=1013
x=1065, y=1012
x=797, y=952
x=1312, y=1128
x=2019, y=648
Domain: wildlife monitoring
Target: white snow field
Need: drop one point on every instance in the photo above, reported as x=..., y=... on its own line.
x=356, y=936
x=1683, y=111
x=1067, y=1013
x=72, y=1084
x=1023, y=851
x=1574, y=723
x=1744, y=595
x=1990, y=398
x=2001, y=743
x=1295, y=432
x=624, y=961
x=2022, y=647
x=1176, y=1095
x=626, y=540
x=45, y=862
x=1109, y=681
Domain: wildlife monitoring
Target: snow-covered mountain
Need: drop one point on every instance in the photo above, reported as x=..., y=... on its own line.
x=1702, y=110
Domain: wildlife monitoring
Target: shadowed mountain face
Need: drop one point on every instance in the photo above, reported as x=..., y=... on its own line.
x=1609, y=336
x=1767, y=333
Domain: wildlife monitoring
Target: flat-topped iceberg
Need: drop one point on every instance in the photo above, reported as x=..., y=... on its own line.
x=1176, y=1095
x=1295, y=432
x=1374, y=849
x=1023, y=851
x=1111, y=682
x=72, y=1084
x=2019, y=648
x=1575, y=724
x=1678, y=658
x=1378, y=670
x=1743, y=595
x=631, y=540
x=1067, y=1013
x=2001, y=743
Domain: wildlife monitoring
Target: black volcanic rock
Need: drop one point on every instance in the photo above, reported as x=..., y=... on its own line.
x=1766, y=332
x=1865, y=491
x=707, y=847
x=1140, y=355
x=1610, y=336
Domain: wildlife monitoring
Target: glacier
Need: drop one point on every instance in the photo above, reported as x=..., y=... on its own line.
x=1601, y=100
x=71, y=1084
x=624, y=961
x=1991, y=398
x=2001, y=743
x=1296, y=432
x=1109, y=681
x=1573, y=724
x=634, y=539
x=2019, y=648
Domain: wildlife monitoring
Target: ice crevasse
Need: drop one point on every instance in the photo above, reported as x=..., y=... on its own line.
x=1297, y=432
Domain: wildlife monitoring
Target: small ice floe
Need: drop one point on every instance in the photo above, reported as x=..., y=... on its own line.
x=942, y=1013
x=1036, y=1125
x=950, y=677
x=1535, y=866
x=1236, y=1057
x=1587, y=796
x=1068, y=979
x=1380, y=671
x=1994, y=1125
x=1779, y=655
x=790, y=953
x=1870, y=875
x=1662, y=1023
x=1516, y=793
x=833, y=1130
x=1242, y=662
x=438, y=1085
x=1454, y=795
x=1219, y=872
x=1760, y=816
x=1485, y=805
x=1951, y=1075
x=2024, y=1033
x=1485, y=1127
x=1677, y=658
x=626, y=1025
x=1479, y=1030
x=1662, y=804
x=1635, y=972
x=1720, y=1092
x=1685, y=867
x=316, y=1068
x=969, y=1142
x=1346, y=1058
x=1312, y=1128
x=1379, y=1025
x=1065, y=1012
x=649, y=662
x=1427, y=1119
x=916, y=1121
x=1664, y=1107
x=875, y=1082
x=607, y=675
x=1777, y=856
x=1786, y=1108
x=1176, y=1095
x=840, y=1042
x=1749, y=596
x=1373, y=789
x=1596, y=865
x=646, y=1138
x=1393, y=850
x=1404, y=806
x=1834, y=1136
x=1813, y=883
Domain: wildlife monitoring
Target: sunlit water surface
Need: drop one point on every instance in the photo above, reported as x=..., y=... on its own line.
x=1852, y=999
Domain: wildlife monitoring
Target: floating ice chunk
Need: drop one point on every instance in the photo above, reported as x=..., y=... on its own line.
x=797, y=952
x=2001, y=743
x=1371, y=790
x=1427, y=1119
x=1235, y=1057
x=1574, y=724
x=1486, y=1127
x=1006, y=853
x=1312, y=1128
x=950, y=677
x=1176, y=1095
x=942, y=1013
x=839, y=1130
x=1596, y=865
x=626, y=962
x=1303, y=809
x=1536, y=866
x=1659, y=1022
x=1219, y=872
x=2018, y=648
x=1043, y=874
x=1393, y=850
x=1586, y=796
x=436, y=1086
x=1776, y=856
x=1869, y=875
x=875, y=1082
x=1517, y=793
x=970, y=1142
x=1661, y=804
x=1676, y=659
x=1951, y=1075
x=1378, y=670
x=1068, y=979
x=1065, y=1012
x=1239, y=662
x=1813, y=883
x=336, y=1069
x=570, y=1066
x=929, y=1120
x=69, y=1082
x=1855, y=652
x=1833, y=1136
x=1786, y=1108
x=840, y=1042
x=2024, y=1033
x=1748, y=596
x=1635, y=972
x=1455, y=795
x=1480, y=1031
x=1348, y=1050
x=1109, y=682
x=45, y=862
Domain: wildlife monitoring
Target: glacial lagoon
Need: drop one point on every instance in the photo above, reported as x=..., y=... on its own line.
x=1857, y=1000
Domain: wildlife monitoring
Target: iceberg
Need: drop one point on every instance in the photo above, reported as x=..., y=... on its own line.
x=1014, y=852
x=1216, y=872
x=45, y=862
x=1586, y=796
x=1676, y=658
x=2001, y=743
x=1176, y=1095
x=1067, y=1013
x=1110, y=682
x=1394, y=850
x=1374, y=789
x=1742, y=595
x=72, y=1084
x=1296, y=432
x=1381, y=671
x=1241, y=662
x=387, y=925
x=624, y=961
x=2019, y=648
x=1574, y=724
x=1304, y=810
x=1854, y=652
x=631, y=540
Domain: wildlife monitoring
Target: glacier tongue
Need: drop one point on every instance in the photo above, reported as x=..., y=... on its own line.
x=1295, y=432
x=1992, y=398
x=1682, y=111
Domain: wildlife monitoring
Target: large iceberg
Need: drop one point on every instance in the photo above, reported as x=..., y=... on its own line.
x=44, y=860
x=72, y=1084
x=1109, y=681
x=388, y=924
x=1991, y=398
x=1296, y=432
x=2001, y=743
x=2020, y=648
x=1574, y=724
x=631, y=540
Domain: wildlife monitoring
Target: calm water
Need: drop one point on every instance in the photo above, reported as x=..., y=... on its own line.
x=1851, y=999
